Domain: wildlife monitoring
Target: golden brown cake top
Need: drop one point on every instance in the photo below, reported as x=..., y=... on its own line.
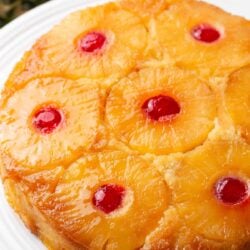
x=127, y=126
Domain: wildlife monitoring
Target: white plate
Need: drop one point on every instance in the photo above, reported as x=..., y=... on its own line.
x=17, y=37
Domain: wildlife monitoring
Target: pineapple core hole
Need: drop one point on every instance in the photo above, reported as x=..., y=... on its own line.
x=205, y=33
x=108, y=198
x=47, y=119
x=161, y=108
x=92, y=42
x=231, y=190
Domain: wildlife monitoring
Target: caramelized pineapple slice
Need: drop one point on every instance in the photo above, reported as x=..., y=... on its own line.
x=107, y=200
x=203, y=38
x=49, y=121
x=211, y=192
x=101, y=42
x=237, y=97
x=164, y=236
x=161, y=111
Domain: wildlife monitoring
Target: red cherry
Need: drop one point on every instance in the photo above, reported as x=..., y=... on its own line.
x=231, y=191
x=47, y=119
x=205, y=33
x=108, y=198
x=161, y=107
x=92, y=42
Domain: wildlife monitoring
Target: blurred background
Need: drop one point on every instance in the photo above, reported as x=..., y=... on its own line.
x=10, y=9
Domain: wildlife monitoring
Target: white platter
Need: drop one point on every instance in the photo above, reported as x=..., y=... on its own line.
x=17, y=37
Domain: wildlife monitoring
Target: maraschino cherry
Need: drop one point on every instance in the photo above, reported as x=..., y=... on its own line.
x=92, y=42
x=161, y=108
x=231, y=190
x=205, y=33
x=47, y=119
x=108, y=198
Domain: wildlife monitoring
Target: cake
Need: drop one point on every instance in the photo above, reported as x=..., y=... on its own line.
x=127, y=126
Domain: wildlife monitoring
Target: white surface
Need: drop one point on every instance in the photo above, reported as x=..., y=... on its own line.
x=17, y=37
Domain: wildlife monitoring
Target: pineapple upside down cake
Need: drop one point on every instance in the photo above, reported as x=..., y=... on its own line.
x=127, y=126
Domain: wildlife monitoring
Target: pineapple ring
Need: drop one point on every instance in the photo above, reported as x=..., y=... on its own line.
x=59, y=54
x=125, y=116
x=194, y=196
x=237, y=96
x=188, y=53
x=32, y=149
x=71, y=208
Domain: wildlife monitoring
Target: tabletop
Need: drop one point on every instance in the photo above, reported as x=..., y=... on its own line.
x=10, y=9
